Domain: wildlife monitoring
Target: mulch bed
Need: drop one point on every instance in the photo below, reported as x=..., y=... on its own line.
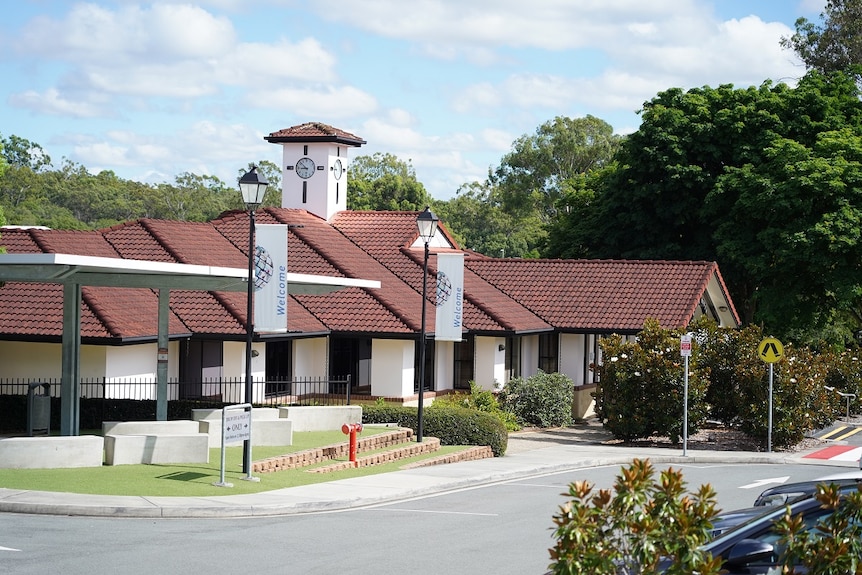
x=718, y=437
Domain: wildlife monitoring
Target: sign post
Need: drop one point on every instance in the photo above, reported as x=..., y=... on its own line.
x=685, y=351
x=771, y=351
x=235, y=427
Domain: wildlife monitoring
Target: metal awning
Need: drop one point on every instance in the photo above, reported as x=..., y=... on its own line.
x=74, y=271
x=117, y=272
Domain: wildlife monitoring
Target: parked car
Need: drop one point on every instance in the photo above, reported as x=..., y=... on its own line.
x=754, y=545
x=779, y=496
x=783, y=494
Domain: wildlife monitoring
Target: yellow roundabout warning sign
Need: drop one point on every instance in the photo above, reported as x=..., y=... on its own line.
x=770, y=350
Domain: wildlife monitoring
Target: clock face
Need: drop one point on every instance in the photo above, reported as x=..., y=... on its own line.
x=305, y=168
x=337, y=169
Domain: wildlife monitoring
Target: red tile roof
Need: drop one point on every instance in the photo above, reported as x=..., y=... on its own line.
x=602, y=295
x=502, y=296
x=314, y=132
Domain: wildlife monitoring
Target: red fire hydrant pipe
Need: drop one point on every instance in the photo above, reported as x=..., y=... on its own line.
x=352, y=429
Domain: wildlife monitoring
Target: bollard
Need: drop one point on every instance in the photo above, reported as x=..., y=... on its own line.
x=352, y=429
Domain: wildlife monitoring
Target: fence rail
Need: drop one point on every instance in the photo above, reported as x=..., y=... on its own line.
x=304, y=391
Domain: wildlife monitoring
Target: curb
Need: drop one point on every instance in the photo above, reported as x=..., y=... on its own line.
x=325, y=497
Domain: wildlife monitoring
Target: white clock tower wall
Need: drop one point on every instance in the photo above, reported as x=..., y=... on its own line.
x=321, y=190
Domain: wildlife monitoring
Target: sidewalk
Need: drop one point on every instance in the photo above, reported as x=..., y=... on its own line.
x=529, y=454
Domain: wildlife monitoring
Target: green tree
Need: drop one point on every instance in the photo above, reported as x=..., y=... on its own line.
x=633, y=528
x=384, y=182
x=480, y=223
x=20, y=152
x=543, y=166
x=763, y=180
x=195, y=198
x=834, y=45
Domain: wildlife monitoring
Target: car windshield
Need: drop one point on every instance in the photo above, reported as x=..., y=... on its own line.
x=769, y=513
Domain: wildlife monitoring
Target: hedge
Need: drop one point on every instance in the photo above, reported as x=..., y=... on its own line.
x=451, y=425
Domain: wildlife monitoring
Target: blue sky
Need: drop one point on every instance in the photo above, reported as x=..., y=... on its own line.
x=152, y=90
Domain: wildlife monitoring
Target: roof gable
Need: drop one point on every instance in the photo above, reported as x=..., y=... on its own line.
x=602, y=295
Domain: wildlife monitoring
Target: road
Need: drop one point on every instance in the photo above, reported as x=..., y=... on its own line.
x=502, y=528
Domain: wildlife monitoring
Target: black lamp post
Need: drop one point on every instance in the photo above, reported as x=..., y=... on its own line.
x=252, y=186
x=427, y=224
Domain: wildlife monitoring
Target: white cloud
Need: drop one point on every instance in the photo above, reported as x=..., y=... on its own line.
x=203, y=148
x=50, y=102
x=549, y=24
x=94, y=34
x=316, y=102
x=174, y=51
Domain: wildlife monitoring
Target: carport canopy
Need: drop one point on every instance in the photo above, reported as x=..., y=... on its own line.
x=74, y=271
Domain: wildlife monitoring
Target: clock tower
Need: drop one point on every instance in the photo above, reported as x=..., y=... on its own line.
x=314, y=167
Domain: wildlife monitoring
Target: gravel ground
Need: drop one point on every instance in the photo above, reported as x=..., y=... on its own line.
x=714, y=437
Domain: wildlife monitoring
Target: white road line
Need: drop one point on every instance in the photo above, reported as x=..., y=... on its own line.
x=764, y=482
x=401, y=509
x=8, y=549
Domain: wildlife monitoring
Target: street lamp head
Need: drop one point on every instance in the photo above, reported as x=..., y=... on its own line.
x=427, y=224
x=253, y=187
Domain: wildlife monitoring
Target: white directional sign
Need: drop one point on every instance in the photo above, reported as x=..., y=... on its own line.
x=237, y=426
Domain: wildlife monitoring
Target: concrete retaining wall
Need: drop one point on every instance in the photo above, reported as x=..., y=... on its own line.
x=321, y=418
x=174, y=427
x=162, y=448
x=51, y=452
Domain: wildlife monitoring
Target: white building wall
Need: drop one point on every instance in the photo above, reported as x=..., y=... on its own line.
x=500, y=376
x=131, y=363
x=490, y=362
x=29, y=360
x=44, y=361
x=530, y=355
x=572, y=356
x=233, y=368
x=444, y=374
x=392, y=374
x=310, y=357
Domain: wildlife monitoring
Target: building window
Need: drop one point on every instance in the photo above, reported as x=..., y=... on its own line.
x=429, y=366
x=549, y=345
x=513, y=358
x=464, y=358
x=279, y=364
x=201, y=361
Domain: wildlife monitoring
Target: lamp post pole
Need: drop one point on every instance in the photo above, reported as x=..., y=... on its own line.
x=249, y=337
x=253, y=187
x=419, y=424
x=427, y=224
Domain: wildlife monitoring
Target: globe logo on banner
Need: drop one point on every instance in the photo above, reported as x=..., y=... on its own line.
x=263, y=268
x=444, y=288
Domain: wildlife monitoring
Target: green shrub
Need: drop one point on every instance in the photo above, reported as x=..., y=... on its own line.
x=800, y=400
x=645, y=521
x=543, y=400
x=481, y=400
x=641, y=393
x=728, y=360
x=451, y=425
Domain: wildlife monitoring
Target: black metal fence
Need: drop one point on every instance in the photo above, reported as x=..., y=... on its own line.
x=304, y=391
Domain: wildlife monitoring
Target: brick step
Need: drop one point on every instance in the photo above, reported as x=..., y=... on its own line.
x=469, y=454
x=429, y=445
x=318, y=455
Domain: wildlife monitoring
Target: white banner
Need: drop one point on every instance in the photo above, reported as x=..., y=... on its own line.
x=270, y=278
x=450, y=297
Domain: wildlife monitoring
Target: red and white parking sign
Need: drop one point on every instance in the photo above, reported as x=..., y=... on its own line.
x=685, y=345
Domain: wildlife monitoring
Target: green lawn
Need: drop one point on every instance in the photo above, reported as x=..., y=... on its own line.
x=196, y=479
